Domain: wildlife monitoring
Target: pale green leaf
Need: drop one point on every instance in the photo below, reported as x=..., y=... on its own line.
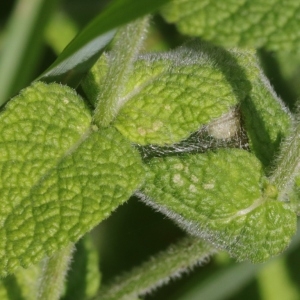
x=59, y=175
x=173, y=94
x=92, y=83
x=127, y=45
x=266, y=120
x=256, y=23
x=223, y=197
x=294, y=196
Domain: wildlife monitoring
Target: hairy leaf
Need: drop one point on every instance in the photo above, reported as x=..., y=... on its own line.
x=84, y=50
x=92, y=84
x=255, y=23
x=266, y=119
x=171, y=95
x=295, y=196
x=224, y=198
x=60, y=176
x=21, y=285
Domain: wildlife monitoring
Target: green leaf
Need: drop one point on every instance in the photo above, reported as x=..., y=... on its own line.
x=92, y=84
x=254, y=23
x=266, y=120
x=223, y=197
x=287, y=170
x=173, y=94
x=126, y=47
x=295, y=196
x=81, y=54
x=84, y=276
x=60, y=176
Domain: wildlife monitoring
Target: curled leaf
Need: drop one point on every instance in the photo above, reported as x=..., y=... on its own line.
x=266, y=119
x=171, y=95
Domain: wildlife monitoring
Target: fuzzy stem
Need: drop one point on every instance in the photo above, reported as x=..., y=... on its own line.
x=178, y=258
x=288, y=163
x=126, y=48
x=53, y=274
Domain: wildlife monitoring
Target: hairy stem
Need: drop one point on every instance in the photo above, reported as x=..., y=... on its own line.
x=126, y=48
x=288, y=163
x=53, y=274
x=232, y=279
x=178, y=258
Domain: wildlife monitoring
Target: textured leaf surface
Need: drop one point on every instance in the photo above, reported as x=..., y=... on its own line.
x=171, y=95
x=59, y=177
x=294, y=196
x=266, y=119
x=224, y=198
x=93, y=82
x=254, y=23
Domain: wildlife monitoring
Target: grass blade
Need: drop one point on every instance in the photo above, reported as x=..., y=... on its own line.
x=79, y=56
x=22, y=44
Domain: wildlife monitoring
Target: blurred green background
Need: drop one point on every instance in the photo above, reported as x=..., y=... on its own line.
x=32, y=34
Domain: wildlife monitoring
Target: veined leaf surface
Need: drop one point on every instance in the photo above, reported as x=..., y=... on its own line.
x=255, y=23
x=173, y=94
x=224, y=198
x=266, y=120
x=60, y=176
